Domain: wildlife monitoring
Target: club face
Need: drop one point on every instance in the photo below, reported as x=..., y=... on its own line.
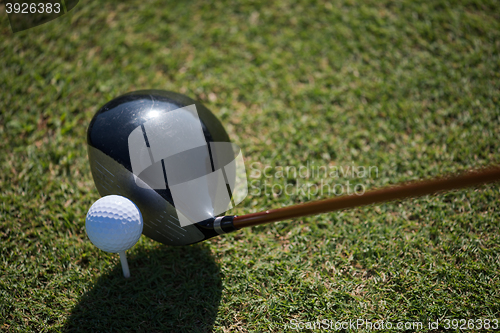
x=112, y=169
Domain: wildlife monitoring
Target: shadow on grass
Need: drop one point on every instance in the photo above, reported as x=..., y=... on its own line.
x=172, y=289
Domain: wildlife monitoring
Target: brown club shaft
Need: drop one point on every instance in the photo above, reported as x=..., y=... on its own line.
x=414, y=189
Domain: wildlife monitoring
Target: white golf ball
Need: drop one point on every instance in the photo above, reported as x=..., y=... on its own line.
x=114, y=223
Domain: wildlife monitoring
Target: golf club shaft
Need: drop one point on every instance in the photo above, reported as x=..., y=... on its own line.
x=408, y=190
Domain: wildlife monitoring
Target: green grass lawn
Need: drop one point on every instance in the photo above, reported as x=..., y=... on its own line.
x=411, y=88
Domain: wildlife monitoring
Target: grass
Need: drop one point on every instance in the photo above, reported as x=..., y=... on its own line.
x=409, y=87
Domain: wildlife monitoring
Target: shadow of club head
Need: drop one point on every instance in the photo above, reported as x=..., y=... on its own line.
x=172, y=289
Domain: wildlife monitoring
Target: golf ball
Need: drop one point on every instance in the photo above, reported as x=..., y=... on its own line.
x=114, y=223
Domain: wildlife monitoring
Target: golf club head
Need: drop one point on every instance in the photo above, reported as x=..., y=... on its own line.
x=172, y=157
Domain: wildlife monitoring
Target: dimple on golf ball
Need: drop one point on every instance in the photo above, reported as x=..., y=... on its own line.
x=114, y=223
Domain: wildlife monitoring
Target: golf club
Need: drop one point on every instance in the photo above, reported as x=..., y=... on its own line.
x=121, y=140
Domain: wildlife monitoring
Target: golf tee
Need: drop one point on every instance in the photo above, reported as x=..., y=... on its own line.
x=123, y=259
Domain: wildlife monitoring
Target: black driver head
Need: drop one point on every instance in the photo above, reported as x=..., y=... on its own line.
x=125, y=139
